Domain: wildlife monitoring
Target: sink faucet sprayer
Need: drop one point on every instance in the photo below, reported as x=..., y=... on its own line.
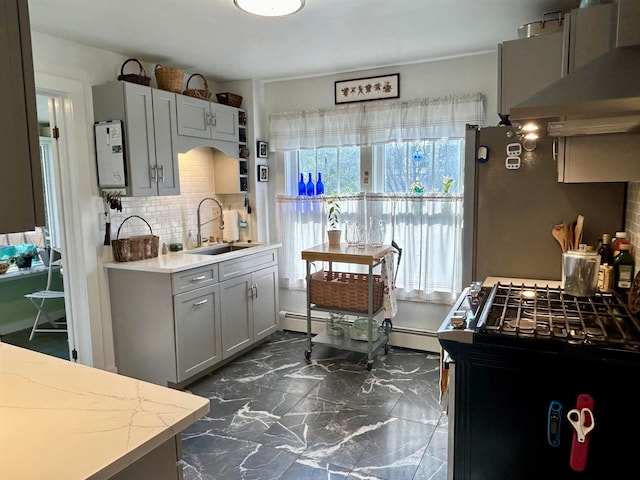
x=200, y=224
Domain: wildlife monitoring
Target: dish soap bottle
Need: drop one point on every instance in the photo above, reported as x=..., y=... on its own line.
x=624, y=268
x=190, y=243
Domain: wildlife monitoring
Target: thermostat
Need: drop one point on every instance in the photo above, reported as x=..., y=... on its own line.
x=512, y=163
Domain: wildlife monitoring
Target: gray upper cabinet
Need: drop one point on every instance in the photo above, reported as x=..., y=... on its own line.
x=526, y=66
x=150, y=134
x=21, y=194
x=203, y=119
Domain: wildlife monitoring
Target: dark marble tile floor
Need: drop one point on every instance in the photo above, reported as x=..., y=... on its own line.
x=275, y=416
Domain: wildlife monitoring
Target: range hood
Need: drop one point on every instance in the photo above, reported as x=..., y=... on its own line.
x=603, y=96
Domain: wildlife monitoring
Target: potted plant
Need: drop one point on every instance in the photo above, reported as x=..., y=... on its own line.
x=25, y=258
x=333, y=217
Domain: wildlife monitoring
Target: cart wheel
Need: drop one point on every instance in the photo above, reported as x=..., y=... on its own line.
x=387, y=325
x=369, y=365
x=307, y=355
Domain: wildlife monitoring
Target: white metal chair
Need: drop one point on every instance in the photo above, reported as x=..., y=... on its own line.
x=40, y=297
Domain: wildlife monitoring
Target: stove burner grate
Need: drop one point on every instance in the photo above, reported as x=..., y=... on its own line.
x=548, y=313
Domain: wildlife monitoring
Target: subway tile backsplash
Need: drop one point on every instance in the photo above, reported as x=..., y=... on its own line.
x=173, y=217
x=632, y=225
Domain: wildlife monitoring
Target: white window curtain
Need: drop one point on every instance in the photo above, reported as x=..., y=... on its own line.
x=375, y=123
x=428, y=228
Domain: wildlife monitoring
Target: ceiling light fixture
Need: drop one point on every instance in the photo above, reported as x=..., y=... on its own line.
x=270, y=8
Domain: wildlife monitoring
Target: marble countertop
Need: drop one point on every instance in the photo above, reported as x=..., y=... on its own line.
x=59, y=419
x=179, y=261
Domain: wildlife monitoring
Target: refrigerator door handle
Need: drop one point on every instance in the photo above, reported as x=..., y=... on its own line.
x=555, y=148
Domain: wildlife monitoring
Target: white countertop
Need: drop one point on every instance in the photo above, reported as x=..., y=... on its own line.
x=178, y=261
x=62, y=420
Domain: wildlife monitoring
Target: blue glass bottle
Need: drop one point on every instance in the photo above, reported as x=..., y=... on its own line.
x=310, y=186
x=319, y=185
x=302, y=187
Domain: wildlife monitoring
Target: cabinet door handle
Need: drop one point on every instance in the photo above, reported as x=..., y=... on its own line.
x=213, y=120
x=255, y=289
x=154, y=176
x=207, y=118
x=555, y=149
x=201, y=302
x=161, y=173
x=197, y=279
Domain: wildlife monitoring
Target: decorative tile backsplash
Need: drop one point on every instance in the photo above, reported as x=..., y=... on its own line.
x=173, y=217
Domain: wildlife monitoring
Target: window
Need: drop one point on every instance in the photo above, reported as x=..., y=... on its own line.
x=432, y=163
x=340, y=168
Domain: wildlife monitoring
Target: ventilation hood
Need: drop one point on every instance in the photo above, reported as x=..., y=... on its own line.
x=603, y=96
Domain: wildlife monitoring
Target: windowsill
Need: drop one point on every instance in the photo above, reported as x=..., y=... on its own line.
x=15, y=273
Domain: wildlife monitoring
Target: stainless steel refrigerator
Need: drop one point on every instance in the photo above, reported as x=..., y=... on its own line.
x=513, y=201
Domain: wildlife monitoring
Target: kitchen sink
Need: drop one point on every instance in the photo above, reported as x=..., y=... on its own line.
x=218, y=249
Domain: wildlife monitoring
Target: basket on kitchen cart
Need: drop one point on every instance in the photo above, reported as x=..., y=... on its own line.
x=137, y=247
x=345, y=291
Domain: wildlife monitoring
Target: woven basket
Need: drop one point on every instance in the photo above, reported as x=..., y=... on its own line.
x=135, y=248
x=140, y=77
x=169, y=78
x=202, y=94
x=230, y=99
x=345, y=291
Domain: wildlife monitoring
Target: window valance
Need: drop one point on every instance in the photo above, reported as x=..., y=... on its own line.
x=377, y=122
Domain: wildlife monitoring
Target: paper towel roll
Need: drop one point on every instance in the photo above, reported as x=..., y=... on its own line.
x=231, y=232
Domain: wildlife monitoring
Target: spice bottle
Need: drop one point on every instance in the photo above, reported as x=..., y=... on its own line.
x=605, y=271
x=624, y=267
x=621, y=237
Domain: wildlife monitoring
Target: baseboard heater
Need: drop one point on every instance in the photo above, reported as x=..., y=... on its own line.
x=407, y=337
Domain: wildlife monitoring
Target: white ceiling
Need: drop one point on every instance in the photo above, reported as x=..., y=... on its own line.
x=216, y=39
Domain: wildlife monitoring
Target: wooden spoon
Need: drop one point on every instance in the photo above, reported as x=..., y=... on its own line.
x=558, y=233
x=578, y=231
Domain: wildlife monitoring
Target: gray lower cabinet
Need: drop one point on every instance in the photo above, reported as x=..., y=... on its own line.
x=166, y=327
x=249, y=301
x=150, y=134
x=21, y=195
x=197, y=322
x=169, y=328
x=249, y=309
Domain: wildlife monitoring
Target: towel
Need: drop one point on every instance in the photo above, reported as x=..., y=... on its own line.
x=389, y=298
x=231, y=231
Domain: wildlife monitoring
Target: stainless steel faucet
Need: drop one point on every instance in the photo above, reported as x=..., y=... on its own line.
x=200, y=224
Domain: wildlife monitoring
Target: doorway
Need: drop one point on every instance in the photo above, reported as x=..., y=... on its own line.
x=56, y=339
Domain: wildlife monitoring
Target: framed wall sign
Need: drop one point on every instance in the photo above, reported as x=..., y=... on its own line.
x=263, y=149
x=365, y=89
x=263, y=173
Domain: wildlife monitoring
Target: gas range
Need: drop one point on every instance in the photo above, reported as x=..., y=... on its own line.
x=505, y=313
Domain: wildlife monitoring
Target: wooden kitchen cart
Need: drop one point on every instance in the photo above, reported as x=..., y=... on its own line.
x=369, y=293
